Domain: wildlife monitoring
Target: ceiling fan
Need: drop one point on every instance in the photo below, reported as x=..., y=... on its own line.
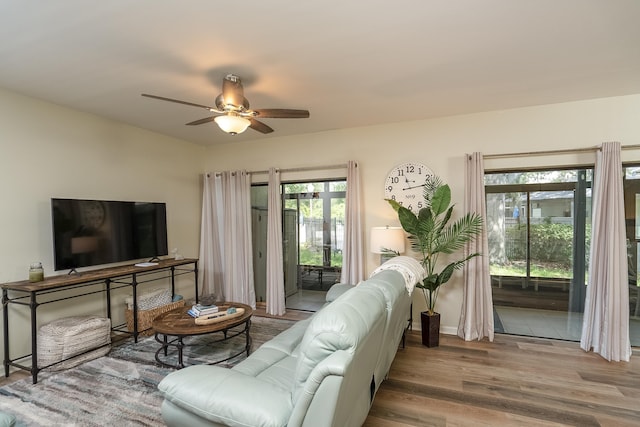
x=233, y=114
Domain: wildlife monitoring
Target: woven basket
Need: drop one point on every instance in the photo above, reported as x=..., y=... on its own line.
x=68, y=340
x=145, y=317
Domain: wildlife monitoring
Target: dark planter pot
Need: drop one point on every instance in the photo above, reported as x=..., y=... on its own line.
x=430, y=329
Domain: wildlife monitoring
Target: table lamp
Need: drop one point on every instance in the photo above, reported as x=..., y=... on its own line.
x=387, y=241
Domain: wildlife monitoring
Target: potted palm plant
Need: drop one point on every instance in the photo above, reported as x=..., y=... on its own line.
x=432, y=234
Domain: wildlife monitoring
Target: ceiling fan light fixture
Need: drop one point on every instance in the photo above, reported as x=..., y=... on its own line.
x=232, y=124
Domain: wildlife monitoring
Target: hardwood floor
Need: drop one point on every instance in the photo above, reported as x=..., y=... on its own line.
x=514, y=381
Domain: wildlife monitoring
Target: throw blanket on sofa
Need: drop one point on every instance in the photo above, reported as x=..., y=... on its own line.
x=411, y=270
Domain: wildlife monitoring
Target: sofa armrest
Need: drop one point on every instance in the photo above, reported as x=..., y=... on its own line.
x=333, y=366
x=227, y=397
x=337, y=290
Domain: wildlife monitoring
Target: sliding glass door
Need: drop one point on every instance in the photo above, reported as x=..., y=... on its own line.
x=538, y=242
x=632, y=216
x=313, y=235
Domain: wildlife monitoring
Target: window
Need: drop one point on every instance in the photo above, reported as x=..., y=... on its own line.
x=313, y=237
x=538, y=226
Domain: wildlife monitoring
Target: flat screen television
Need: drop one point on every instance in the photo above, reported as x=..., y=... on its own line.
x=96, y=232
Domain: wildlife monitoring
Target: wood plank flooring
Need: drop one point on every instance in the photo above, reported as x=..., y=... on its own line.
x=514, y=381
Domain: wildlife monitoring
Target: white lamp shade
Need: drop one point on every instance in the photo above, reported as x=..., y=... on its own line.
x=387, y=239
x=232, y=124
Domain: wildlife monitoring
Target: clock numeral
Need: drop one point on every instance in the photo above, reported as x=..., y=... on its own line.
x=390, y=188
x=393, y=197
x=420, y=205
x=395, y=180
x=400, y=172
x=410, y=168
x=410, y=207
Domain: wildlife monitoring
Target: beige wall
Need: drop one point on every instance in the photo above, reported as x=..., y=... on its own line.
x=48, y=151
x=440, y=144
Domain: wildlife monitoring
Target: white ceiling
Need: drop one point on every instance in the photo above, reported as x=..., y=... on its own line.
x=351, y=63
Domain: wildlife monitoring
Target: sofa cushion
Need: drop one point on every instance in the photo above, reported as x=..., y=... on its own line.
x=227, y=397
x=289, y=340
x=282, y=346
x=345, y=324
x=270, y=365
x=7, y=420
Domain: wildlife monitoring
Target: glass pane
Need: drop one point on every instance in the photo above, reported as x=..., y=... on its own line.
x=507, y=234
x=311, y=232
x=551, y=235
x=338, y=186
x=535, y=238
x=632, y=172
x=259, y=196
x=632, y=214
x=303, y=188
x=337, y=231
x=531, y=177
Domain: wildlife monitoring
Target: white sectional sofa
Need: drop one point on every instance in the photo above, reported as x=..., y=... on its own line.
x=323, y=371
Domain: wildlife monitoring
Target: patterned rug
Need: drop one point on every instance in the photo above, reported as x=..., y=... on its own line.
x=119, y=389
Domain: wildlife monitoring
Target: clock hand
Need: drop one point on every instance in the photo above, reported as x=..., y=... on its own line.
x=415, y=186
x=408, y=181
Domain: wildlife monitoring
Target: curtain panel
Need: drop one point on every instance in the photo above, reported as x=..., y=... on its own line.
x=476, y=317
x=353, y=253
x=275, y=273
x=226, y=264
x=605, y=328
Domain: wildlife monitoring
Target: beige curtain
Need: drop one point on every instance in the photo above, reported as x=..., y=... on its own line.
x=353, y=251
x=275, y=274
x=225, y=242
x=476, y=317
x=605, y=327
x=210, y=267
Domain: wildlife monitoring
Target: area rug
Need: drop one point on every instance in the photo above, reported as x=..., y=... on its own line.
x=119, y=389
x=199, y=348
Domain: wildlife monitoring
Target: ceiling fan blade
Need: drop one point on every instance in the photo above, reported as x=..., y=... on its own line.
x=259, y=126
x=162, y=98
x=201, y=121
x=281, y=113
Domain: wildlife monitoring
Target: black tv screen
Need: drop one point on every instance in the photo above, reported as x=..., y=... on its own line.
x=95, y=232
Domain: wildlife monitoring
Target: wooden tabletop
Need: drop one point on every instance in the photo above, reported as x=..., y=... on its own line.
x=62, y=280
x=178, y=322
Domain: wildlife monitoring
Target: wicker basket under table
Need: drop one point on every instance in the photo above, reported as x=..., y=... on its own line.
x=145, y=317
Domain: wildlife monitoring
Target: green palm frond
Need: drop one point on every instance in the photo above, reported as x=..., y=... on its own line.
x=454, y=237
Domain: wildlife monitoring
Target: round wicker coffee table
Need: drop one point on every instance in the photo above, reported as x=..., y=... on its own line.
x=171, y=327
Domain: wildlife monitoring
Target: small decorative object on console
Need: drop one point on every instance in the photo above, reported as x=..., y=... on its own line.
x=198, y=310
x=176, y=254
x=36, y=272
x=230, y=313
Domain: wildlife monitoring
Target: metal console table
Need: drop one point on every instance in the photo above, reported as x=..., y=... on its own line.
x=25, y=293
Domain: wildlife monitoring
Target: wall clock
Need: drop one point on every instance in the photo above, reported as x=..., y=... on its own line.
x=405, y=185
